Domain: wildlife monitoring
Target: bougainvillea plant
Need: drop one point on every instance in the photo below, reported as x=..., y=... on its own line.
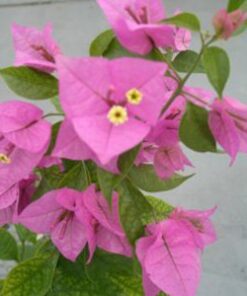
x=76, y=208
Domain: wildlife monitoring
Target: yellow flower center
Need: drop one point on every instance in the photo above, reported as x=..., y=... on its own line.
x=117, y=115
x=134, y=96
x=4, y=159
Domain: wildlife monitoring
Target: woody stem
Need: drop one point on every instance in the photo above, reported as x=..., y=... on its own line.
x=179, y=89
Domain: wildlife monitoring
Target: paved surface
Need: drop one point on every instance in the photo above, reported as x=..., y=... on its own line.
x=76, y=23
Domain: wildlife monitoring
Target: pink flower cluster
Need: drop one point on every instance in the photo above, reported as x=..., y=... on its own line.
x=110, y=107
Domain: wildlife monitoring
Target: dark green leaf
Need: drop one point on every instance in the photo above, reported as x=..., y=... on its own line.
x=126, y=160
x=50, y=177
x=101, y=43
x=8, y=246
x=32, y=277
x=107, y=182
x=77, y=177
x=25, y=234
x=145, y=178
x=106, y=275
x=235, y=4
x=29, y=83
x=133, y=207
x=115, y=50
x=194, y=130
x=184, y=61
x=185, y=20
x=217, y=67
x=54, y=133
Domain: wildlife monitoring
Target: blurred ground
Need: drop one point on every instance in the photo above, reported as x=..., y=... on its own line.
x=76, y=22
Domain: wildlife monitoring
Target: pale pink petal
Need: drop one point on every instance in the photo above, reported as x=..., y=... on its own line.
x=161, y=35
x=107, y=140
x=8, y=197
x=22, y=163
x=6, y=215
x=225, y=132
x=198, y=222
x=148, y=78
x=98, y=207
x=90, y=225
x=199, y=96
x=32, y=138
x=35, y=48
x=149, y=288
x=41, y=215
x=173, y=262
x=68, y=198
x=169, y=160
x=84, y=84
x=110, y=242
x=133, y=39
x=156, y=9
x=16, y=115
x=182, y=39
x=48, y=161
x=142, y=247
x=69, y=238
x=68, y=144
x=165, y=133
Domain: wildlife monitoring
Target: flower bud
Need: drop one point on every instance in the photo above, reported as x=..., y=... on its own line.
x=226, y=23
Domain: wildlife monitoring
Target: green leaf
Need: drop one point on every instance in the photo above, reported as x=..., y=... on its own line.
x=242, y=29
x=161, y=210
x=194, y=130
x=217, y=67
x=29, y=83
x=126, y=160
x=8, y=246
x=133, y=207
x=76, y=177
x=107, y=182
x=145, y=178
x=185, y=20
x=107, y=275
x=54, y=133
x=101, y=43
x=32, y=277
x=50, y=177
x=235, y=4
x=115, y=50
x=25, y=234
x=243, y=7
x=185, y=59
x=1, y=285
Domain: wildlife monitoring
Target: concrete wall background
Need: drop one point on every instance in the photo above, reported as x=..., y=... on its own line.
x=76, y=23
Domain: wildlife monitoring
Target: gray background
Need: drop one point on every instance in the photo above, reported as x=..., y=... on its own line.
x=76, y=22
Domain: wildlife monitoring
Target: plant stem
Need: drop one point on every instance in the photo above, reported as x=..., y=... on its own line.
x=179, y=89
x=163, y=58
x=52, y=114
